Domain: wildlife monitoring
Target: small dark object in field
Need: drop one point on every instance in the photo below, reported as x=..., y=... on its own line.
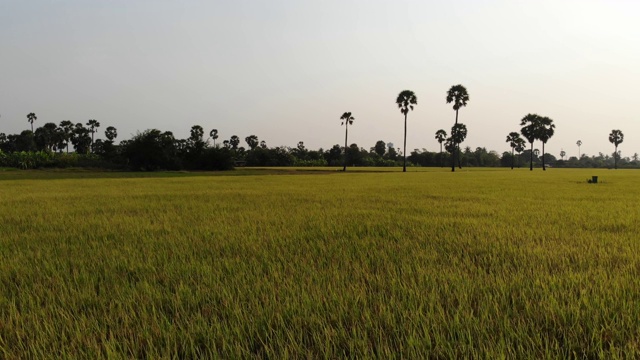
x=593, y=180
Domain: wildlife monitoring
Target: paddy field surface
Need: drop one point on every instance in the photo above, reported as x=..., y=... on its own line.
x=317, y=263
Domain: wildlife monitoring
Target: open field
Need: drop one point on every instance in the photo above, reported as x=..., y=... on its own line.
x=486, y=263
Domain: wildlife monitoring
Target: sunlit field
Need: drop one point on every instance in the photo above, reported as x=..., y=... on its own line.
x=294, y=263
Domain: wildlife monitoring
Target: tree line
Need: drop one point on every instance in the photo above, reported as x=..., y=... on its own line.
x=153, y=149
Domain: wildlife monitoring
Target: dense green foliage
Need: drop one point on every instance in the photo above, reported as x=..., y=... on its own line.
x=325, y=265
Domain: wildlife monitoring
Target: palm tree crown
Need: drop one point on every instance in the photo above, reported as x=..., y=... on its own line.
x=457, y=95
x=31, y=117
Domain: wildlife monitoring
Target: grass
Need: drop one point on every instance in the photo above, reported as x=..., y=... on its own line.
x=427, y=264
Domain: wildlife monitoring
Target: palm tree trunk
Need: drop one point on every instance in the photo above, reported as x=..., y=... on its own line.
x=453, y=154
x=346, y=133
x=531, y=162
x=544, y=168
x=513, y=159
x=615, y=158
x=404, y=154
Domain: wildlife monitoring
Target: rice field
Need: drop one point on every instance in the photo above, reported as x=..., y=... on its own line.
x=265, y=263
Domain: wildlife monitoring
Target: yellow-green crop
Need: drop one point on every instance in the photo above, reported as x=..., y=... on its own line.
x=423, y=264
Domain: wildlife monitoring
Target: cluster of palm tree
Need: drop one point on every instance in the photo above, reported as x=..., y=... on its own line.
x=406, y=102
x=534, y=127
x=52, y=137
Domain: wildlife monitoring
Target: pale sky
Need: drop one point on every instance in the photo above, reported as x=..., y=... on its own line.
x=285, y=70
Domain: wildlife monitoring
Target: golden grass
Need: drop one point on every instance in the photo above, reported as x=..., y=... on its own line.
x=489, y=264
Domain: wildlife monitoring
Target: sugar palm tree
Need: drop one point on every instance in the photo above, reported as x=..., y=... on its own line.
x=31, y=117
x=405, y=101
x=458, y=134
x=512, y=139
x=93, y=125
x=67, y=129
x=530, y=124
x=459, y=96
x=562, y=154
x=111, y=133
x=545, y=132
x=616, y=137
x=441, y=136
x=214, y=135
x=347, y=120
x=579, y=143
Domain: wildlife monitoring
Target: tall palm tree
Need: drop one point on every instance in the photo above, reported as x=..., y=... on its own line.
x=406, y=100
x=579, y=143
x=459, y=96
x=530, y=124
x=214, y=135
x=441, y=136
x=562, y=154
x=512, y=139
x=93, y=125
x=616, y=137
x=545, y=132
x=347, y=120
x=31, y=117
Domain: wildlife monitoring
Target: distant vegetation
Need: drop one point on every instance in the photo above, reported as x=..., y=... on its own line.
x=150, y=150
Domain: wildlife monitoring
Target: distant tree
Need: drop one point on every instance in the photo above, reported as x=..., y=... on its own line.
x=441, y=136
x=459, y=96
x=530, y=124
x=562, y=154
x=45, y=137
x=252, y=141
x=81, y=139
x=380, y=148
x=405, y=101
x=520, y=146
x=196, y=134
x=93, y=125
x=544, y=132
x=263, y=144
x=226, y=144
x=25, y=141
x=512, y=139
x=214, y=135
x=616, y=137
x=67, y=129
x=234, y=141
x=579, y=143
x=111, y=133
x=347, y=120
x=31, y=117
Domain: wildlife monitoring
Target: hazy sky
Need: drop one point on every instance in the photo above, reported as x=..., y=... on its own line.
x=285, y=70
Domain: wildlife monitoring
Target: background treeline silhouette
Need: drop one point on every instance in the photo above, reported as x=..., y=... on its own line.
x=74, y=145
